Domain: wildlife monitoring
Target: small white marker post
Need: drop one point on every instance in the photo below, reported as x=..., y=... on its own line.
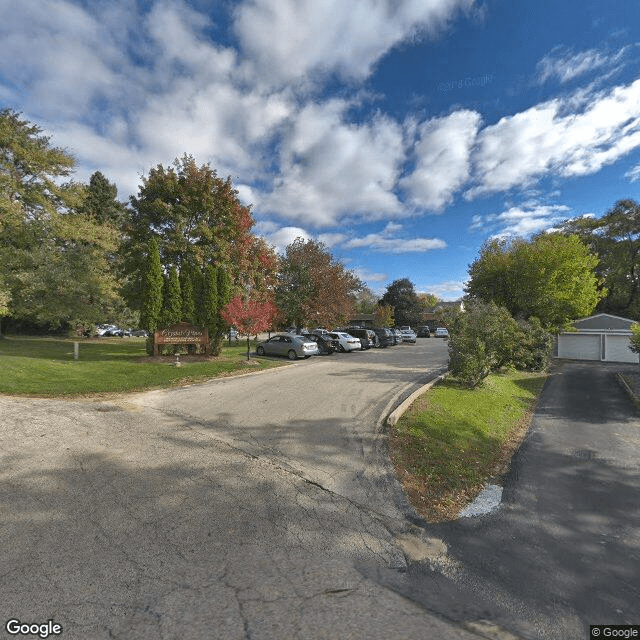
x=76, y=350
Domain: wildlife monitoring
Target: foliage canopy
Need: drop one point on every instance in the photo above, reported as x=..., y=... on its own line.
x=551, y=277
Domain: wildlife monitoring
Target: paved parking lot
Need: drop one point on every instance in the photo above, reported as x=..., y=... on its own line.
x=234, y=509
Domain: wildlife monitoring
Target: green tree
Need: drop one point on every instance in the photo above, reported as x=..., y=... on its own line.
x=552, y=277
x=615, y=239
x=313, y=288
x=634, y=340
x=172, y=308
x=383, y=315
x=199, y=222
x=187, y=293
x=54, y=257
x=152, y=299
x=224, y=288
x=210, y=300
x=485, y=338
x=428, y=300
x=100, y=202
x=402, y=296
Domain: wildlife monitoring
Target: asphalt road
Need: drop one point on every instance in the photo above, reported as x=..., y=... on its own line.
x=563, y=550
x=240, y=508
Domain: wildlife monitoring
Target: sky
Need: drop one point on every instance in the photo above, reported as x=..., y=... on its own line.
x=401, y=133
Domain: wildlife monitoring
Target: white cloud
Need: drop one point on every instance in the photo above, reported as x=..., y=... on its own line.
x=565, y=65
x=448, y=290
x=332, y=239
x=544, y=139
x=290, y=39
x=521, y=221
x=395, y=245
x=633, y=174
x=331, y=168
x=68, y=57
x=442, y=158
x=369, y=276
x=387, y=242
x=282, y=237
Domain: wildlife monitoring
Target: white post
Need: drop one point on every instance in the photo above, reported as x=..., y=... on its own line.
x=76, y=349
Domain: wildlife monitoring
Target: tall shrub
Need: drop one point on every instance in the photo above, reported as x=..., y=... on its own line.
x=152, y=298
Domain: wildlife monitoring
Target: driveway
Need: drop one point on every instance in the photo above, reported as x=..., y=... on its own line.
x=563, y=550
x=186, y=513
x=320, y=418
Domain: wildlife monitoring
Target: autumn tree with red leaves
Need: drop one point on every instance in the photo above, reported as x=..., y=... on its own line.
x=198, y=221
x=249, y=316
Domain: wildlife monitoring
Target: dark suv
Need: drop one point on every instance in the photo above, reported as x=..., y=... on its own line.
x=326, y=345
x=367, y=340
x=385, y=339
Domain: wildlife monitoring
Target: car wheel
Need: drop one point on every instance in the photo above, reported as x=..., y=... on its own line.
x=260, y=351
x=292, y=354
x=340, y=348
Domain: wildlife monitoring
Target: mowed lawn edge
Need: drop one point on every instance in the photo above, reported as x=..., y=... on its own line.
x=453, y=440
x=45, y=367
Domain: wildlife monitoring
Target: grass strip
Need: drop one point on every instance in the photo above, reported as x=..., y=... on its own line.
x=453, y=440
x=45, y=367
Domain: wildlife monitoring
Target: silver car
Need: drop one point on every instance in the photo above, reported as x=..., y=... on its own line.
x=408, y=335
x=287, y=344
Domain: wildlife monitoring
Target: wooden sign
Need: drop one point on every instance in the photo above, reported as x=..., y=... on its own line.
x=181, y=333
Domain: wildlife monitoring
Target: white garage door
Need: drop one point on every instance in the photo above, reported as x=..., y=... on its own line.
x=579, y=346
x=616, y=349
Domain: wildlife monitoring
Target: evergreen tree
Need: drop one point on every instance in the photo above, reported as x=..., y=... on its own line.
x=210, y=309
x=172, y=311
x=152, y=299
x=187, y=292
x=100, y=201
x=401, y=295
x=224, y=296
x=54, y=258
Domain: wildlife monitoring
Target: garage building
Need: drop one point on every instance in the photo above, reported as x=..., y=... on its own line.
x=600, y=337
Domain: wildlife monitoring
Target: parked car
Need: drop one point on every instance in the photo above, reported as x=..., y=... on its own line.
x=423, y=332
x=366, y=336
x=408, y=335
x=398, y=335
x=385, y=339
x=441, y=332
x=287, y=344
x=111, y=330
x=326, y=345
x=346, y=342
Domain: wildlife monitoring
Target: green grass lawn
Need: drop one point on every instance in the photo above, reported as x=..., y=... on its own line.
x=45, y=366
x=453, y=440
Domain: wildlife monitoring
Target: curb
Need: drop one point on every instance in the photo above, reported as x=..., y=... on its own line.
x=627, y=388
x=397, y=413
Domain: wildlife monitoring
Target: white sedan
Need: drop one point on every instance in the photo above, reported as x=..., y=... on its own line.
x=441, y=332
x=346, y=342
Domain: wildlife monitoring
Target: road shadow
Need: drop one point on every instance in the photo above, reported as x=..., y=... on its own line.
x=175, y=538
